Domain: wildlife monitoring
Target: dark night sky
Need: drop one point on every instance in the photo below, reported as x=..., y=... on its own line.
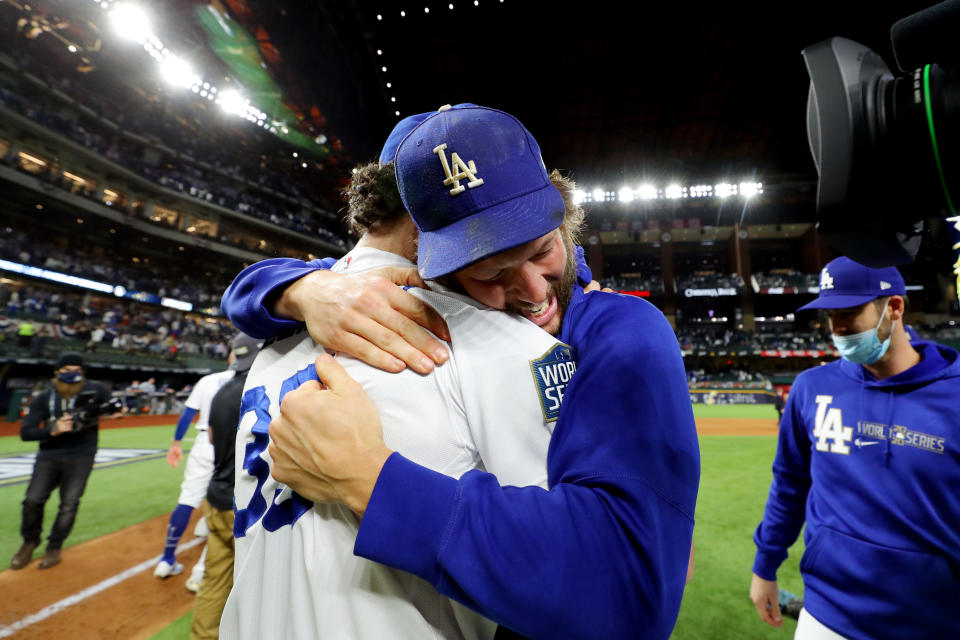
x=657, y=89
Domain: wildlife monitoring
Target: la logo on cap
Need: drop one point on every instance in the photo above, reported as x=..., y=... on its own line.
x=468, y=170
x=826, y=280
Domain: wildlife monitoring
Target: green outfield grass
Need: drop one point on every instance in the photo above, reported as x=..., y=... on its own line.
x=177, y=630
x=735, y=411
x=734, y=484
x=115, y=497
x=735, y=479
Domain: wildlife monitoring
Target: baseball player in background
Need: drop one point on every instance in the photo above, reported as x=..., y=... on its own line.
x=869, y=458
x=196, y=475
x=525, y=557
x=218, y=569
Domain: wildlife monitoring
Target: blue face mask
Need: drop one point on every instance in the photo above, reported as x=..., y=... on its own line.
x=70, y=377
x=864, y=347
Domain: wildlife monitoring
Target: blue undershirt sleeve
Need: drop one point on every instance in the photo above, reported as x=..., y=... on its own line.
x=184, y=423
x=783, y=516
x=243, y=301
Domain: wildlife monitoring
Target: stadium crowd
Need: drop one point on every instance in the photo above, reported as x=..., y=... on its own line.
x=786, y=278
x=98, y=322
x=709, y=281
x=108, y=134
x=72, y=256
x=651, y=283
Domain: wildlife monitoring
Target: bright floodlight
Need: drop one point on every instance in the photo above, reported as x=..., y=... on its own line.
x=232, y=102
x=673, y=191
x=131, y=22
x=625, y=195
x=700, y=191
x=597, y=195
x=724, y=190
x=749, y=189
x=178, y=73
x=578, y=196
x=647, y=192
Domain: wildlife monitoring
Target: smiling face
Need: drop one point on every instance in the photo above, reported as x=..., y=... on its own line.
x=535, y=280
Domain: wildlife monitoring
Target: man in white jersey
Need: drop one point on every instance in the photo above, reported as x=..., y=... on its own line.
x=296, y=575
x=196, y=475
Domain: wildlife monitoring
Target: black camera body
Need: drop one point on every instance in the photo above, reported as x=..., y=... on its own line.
x=86, y=411
x=886, y=146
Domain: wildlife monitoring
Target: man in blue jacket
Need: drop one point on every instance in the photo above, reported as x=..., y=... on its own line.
x=869, y=457
x=604, y=552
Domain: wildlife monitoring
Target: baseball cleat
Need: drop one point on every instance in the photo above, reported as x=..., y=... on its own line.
x=165, y=569
x=192, y=584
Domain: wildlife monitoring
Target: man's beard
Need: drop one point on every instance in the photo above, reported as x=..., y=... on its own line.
x=562, y=287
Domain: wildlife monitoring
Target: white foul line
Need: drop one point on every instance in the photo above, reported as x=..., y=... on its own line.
x=80, y=596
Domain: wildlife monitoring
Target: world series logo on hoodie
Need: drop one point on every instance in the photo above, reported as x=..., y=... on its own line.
x=552, y=372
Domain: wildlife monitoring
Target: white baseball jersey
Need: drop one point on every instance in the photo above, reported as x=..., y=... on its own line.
x=491, y=406
x=199, y=467
x=202, y=396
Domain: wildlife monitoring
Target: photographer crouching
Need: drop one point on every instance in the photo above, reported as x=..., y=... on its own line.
x=65, y=418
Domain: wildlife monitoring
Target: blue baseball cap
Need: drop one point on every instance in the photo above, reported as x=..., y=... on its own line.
x=405, y=126
x=845, y=283
x=475, y=185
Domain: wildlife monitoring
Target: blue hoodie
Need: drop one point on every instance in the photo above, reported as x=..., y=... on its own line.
x=873, y=466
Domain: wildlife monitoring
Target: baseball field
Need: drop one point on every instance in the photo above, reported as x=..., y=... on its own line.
x=105, y=588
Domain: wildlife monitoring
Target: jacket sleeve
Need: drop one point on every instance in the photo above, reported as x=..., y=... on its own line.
x=784, y=514
x=243, y=301
x=30, y=428
x=604, y=552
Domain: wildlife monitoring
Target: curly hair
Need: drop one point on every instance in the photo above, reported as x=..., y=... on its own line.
x=372, y=198
x=574, y=214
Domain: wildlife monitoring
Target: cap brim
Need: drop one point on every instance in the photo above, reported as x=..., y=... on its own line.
x=838, y=302
x=489, y=232
x=244, y=363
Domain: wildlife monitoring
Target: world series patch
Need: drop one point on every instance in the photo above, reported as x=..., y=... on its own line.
x=552, y=372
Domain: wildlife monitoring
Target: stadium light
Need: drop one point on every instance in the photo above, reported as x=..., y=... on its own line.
x=673, y=191
x=724, y=190
x=749, y=189
x=233, y=103
x=647, y=192
x=597, y=194
x=175, y=71
x=578, y=196
x=131, y=22
x=701, y=191
x=625, y=194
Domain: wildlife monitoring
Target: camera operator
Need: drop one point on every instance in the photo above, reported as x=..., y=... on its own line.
x=64, y=418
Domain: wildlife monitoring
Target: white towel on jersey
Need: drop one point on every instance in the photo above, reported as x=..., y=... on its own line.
x=484, y=408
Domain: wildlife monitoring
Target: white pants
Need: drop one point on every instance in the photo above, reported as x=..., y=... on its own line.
x=809, y=628
x=199, y=469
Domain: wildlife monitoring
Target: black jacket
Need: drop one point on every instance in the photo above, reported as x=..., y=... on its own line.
x=224, y=419
x=38, y=423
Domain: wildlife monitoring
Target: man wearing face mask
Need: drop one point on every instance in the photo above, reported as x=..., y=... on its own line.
x=64, y=419
x=869, y=457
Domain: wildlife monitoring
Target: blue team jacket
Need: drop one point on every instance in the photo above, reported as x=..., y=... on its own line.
x=603, y=553
x=874, y=469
